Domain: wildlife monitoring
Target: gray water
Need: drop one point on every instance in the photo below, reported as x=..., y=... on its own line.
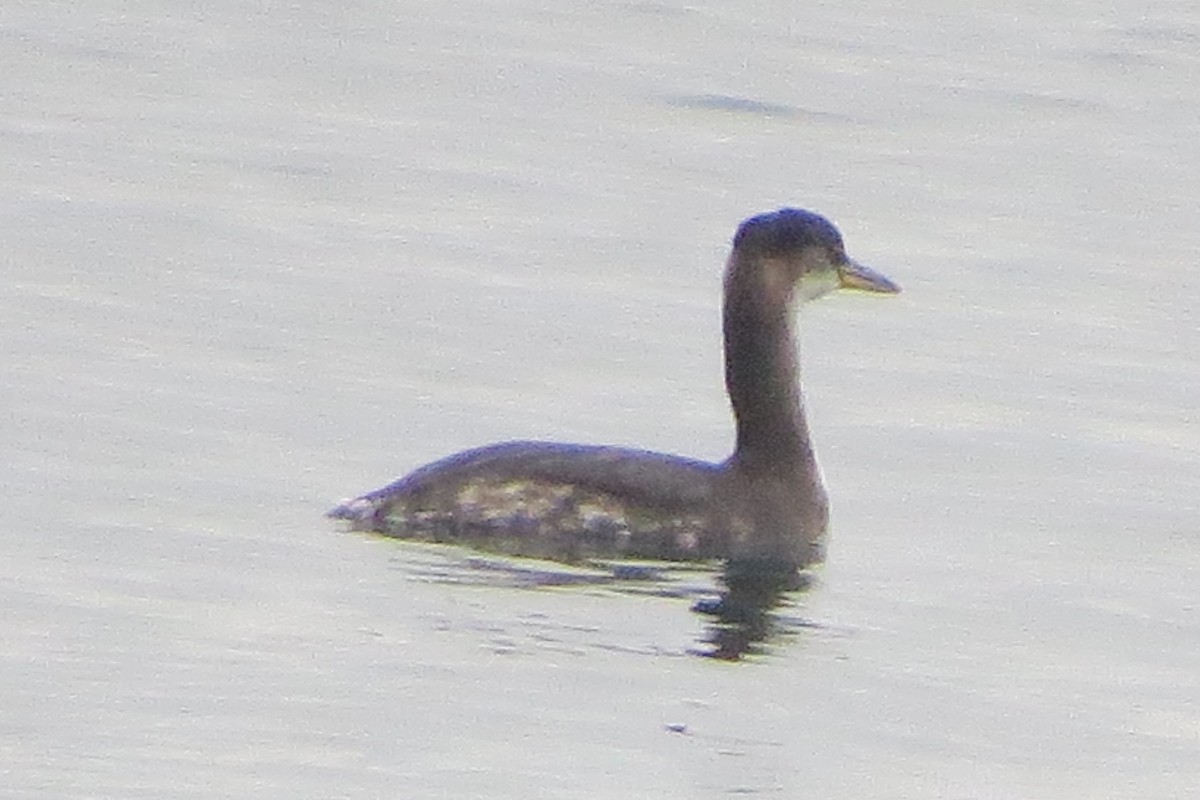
x=259, y=257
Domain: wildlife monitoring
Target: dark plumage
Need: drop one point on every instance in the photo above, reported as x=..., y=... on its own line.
x=766, y=502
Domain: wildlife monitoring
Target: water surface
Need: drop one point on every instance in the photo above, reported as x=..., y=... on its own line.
x=261, y=258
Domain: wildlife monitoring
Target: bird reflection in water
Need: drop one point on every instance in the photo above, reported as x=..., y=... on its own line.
x=746, y=615
x=750, y=607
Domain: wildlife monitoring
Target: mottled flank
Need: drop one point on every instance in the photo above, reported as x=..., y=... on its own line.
x=550, y=520
x=550, y=508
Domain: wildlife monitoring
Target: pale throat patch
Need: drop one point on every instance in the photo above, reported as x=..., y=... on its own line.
x=816, y=284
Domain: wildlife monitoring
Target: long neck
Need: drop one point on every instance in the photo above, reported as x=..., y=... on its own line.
x=761, y=370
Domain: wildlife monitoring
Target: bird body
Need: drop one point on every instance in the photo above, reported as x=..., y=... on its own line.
x=766, y=502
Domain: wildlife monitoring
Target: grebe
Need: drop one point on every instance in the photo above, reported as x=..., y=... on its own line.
x=764, y=504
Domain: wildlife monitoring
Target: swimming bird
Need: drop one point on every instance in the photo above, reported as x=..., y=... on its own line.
x=766, y=503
